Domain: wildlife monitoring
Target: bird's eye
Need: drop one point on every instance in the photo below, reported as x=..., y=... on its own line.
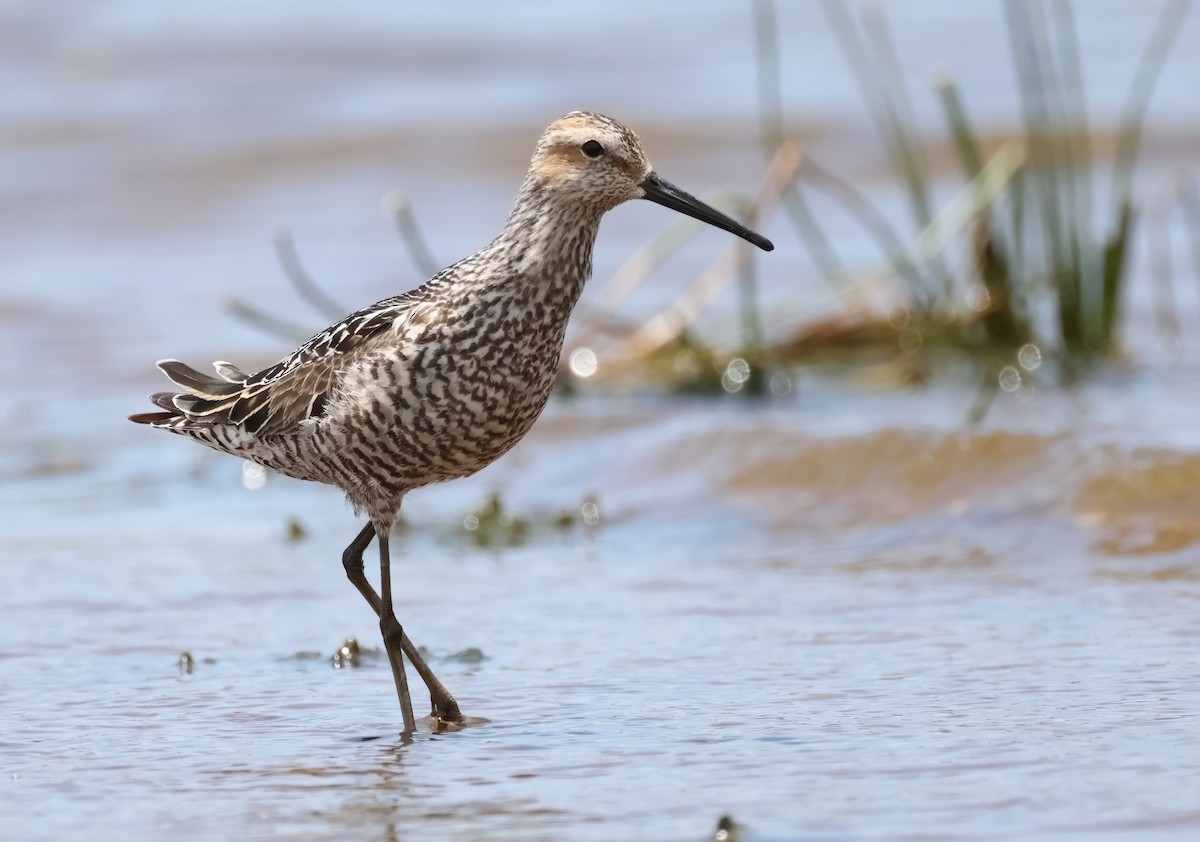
x=592, y=149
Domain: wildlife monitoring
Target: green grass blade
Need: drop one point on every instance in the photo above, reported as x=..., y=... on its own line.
x=1189, y=202
x=401, y=211
x=890, y=79
x=972, y=200
x=814, y=237
x=293, y=267
x=874, y=223
x=1145, y=78
x=1018, y=261
x=880, y=107
x=1075, y=176
x=770, y=76
x=965, y=143
x=1115, y=252
x=1036, y=86
x=1129, y=136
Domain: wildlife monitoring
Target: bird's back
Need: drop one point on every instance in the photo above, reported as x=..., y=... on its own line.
x=420, y=388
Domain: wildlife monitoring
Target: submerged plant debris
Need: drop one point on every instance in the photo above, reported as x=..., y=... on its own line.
x=491, y=525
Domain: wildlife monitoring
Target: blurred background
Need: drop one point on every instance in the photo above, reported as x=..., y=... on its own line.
x=857, y=539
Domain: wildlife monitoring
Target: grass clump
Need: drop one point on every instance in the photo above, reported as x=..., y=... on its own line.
x=1048, y=255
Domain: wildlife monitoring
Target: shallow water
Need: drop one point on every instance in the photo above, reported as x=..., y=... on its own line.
x=820, y=658
x=838, y=614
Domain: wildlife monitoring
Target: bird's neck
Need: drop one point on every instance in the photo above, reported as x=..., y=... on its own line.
x=548, y=239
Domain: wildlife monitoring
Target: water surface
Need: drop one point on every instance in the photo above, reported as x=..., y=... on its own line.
x=836, y=614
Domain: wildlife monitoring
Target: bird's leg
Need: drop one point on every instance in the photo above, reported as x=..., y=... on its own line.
x=393, y=633
x=352, y=560
x=445, y=707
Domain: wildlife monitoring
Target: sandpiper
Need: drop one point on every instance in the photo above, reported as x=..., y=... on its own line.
x=439, y=382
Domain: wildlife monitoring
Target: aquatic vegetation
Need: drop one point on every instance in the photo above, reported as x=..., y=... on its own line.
x=1042, y=240
x=295, y=532
x=491, y=525
x=348, y=655
x=1038, y=238
x=727, y=830
x=470, y=655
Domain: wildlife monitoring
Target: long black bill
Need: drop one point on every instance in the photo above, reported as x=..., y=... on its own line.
x=669, y=196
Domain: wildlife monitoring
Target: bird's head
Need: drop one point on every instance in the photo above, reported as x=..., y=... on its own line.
x=591, y=159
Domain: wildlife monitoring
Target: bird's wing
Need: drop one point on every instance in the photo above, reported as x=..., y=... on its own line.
x=278, y=398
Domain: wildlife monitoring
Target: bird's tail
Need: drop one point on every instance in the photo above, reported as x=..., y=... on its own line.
x=202, y=395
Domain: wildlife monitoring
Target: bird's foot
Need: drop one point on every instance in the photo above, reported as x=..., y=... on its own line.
x=446, y=710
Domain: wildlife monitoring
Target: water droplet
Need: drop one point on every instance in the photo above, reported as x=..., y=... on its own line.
x=910, y=340
x=254, y=476
x=738, y=370
x=470, y=523
x=1030, y=357
x=590, y=512
x=727, y=830
x=978, y=298
x=780, y=384
x=186, y=663
x=583, y=362
x=900, y=318
x=1010, y=379
x=348, y=655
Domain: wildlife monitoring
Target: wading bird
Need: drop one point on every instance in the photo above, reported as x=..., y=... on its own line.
x=439, y=382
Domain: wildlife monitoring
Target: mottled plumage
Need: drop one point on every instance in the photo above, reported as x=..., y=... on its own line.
x=439, y=382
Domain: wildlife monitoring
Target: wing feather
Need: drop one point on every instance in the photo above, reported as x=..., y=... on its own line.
x=277, y=398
